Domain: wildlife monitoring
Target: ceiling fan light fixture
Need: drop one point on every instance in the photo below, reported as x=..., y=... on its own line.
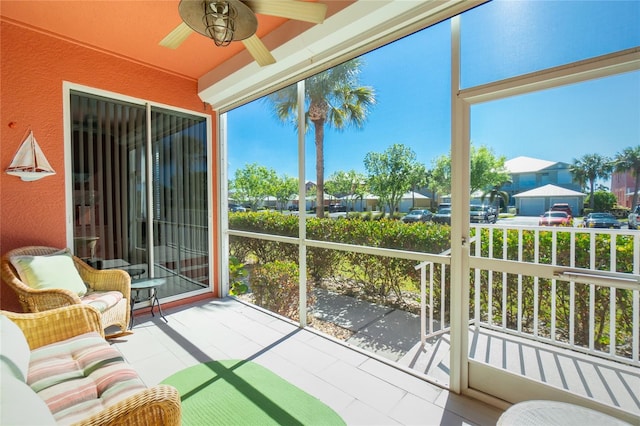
x=219, y=20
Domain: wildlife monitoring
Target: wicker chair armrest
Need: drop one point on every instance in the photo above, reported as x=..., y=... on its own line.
x=40, y=300
x=55, y=325
x=158, y=405
x=105, y=279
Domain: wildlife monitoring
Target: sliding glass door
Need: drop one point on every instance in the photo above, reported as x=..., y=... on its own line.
x=140, y=194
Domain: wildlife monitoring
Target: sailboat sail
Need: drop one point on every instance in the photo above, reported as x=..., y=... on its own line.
x=29, y=163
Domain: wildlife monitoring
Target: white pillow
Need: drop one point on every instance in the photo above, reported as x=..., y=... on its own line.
x=21, y=406
x=56, y=271
x=14, y=351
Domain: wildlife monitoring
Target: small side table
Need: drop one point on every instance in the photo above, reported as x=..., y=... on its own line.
x=134, y=272
x=150, y=284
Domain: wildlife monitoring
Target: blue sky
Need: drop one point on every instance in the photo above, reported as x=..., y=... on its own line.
x=411, y=79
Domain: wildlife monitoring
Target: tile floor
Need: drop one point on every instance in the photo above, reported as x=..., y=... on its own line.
x=362, y=389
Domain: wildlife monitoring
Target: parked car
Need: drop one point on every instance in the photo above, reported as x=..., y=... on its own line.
x=236, y=208
x=634, y=218
x=417, y=216
x=555, y=218
x=601, y=220
x=562, y=207
x=482, y=214
x=335, y=208
x=442, y=216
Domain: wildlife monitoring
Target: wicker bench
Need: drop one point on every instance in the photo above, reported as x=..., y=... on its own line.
x=57, y=368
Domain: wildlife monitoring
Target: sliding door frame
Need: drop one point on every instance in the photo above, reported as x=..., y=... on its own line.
x=67, y=88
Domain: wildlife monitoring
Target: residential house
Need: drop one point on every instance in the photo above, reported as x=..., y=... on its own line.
x=537, y=201
x=529, y=173
x=622, y=186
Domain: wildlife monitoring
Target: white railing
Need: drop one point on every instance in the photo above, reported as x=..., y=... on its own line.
x=555, y=292
x=558, y=299
x=427, y=321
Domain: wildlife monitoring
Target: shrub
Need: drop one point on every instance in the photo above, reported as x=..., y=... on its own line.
x=237, y=272
x=275, y=287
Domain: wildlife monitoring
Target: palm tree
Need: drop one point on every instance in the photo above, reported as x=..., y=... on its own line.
x=333, y=98
x=496, y=194
x=589, y=168
x=629, y=161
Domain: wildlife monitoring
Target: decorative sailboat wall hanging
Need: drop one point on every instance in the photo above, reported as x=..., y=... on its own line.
x=29, y=163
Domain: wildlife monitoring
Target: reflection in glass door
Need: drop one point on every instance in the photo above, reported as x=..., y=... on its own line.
x=124, y=203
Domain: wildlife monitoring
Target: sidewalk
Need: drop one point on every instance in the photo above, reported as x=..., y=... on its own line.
x=385, y=331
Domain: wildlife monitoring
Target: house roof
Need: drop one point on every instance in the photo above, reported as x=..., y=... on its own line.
x=550, y=191
x=527, y=164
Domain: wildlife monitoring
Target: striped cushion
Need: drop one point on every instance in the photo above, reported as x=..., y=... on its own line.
x=102, y=300
x=80, y=377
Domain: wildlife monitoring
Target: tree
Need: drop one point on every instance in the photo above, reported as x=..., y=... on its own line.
x=346, y=184
x=440, y=176
x=284, y=189
x=629, y=161
x=591, y=167
x=486, y=171
x=390, y=174
x=496, y=194
x=253, y=184
x=333, y=98
x=603, y=201
x=418, y=179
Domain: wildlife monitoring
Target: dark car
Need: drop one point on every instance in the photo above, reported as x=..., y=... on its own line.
x=236, y=208
x=601, y=220
x=417, y=216
x=555, y=218
x=442, y=216
x=482, y=214
x=335, y=208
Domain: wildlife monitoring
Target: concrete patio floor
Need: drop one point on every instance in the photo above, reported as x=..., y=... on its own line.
x=361, y=388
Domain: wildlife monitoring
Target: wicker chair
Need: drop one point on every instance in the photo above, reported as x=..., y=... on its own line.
x=156, y=405
x=37, y=300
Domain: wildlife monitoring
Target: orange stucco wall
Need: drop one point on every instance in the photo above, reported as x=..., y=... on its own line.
x=33, y=67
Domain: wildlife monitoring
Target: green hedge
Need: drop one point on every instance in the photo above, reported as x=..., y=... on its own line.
x=378, y=276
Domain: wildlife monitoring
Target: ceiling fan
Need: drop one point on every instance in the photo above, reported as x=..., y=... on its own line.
x=225, y=21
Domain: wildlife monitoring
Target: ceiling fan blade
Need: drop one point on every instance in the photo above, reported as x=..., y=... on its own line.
x=179, y=34
x=259, y=51
x=290, y=9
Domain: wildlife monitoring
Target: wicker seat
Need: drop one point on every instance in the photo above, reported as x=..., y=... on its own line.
x=38, y=300
x=155, y=405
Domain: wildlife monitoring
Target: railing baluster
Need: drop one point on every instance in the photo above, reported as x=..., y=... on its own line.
x=592, y=315
x=636, y=326
x=423, y=303
x=442, y=297
x=635, y=350
x=520, y=282
x=490, y=281
x=431, y=298
x=478, y=253
x=612, y=306
x=592, y=291
x=554, y=261
x=612, y=319
x=536, y=290
x=505, y=252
